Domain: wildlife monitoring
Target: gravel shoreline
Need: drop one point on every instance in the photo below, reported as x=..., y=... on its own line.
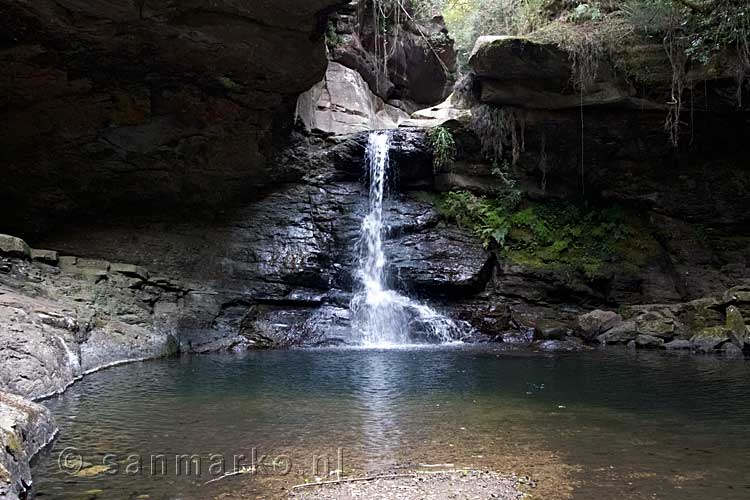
x=447, y=485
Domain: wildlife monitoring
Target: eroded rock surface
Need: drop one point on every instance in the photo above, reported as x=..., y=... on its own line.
x=343, y=104
x=25, y=428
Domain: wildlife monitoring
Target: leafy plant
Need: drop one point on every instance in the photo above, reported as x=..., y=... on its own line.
x=552, y=234
x=510, y=196
x=333, y=39
x=586, y=12
x=443, y=147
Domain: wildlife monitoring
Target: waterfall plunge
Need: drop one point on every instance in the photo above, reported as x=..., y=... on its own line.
x=383, y=317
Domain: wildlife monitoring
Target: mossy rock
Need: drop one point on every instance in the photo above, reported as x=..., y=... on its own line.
x=736, y=327
x=710, y=338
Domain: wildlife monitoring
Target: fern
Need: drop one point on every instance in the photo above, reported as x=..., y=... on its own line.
x=443, y=147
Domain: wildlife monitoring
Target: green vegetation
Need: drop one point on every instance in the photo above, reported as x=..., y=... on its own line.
x=554, y=235
x=229, y=84
x=333, y=39
x=707, y=25
x=443, y=147
x=469, y=19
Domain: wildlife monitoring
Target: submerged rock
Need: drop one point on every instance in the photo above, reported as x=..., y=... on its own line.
x=648, y=341
x=731, y=350
x=709, y=339
x=559, y=346
x=679, y=344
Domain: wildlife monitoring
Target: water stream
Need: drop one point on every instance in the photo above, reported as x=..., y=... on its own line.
x=382, y=316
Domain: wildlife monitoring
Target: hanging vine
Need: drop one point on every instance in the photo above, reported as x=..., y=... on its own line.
x=498, y=129
x=388, y=18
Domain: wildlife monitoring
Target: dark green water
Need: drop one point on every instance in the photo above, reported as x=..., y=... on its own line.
x=602, y=425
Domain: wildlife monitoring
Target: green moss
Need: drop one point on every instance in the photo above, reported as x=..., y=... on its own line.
x=714, y=332
x=229, y=84
x=592, y=242
x=333, y=39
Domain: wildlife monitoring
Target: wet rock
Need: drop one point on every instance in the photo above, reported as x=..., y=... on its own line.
x=648, y=341
x=730, y=350
x=559, y=346
x=597, y=322
x=679, y=344
x=709, y=339
x=489, y=318
x=410, y=157
x=445, y=262
x=117, y=343
x=524, y=336
x=619, y=334
x=274, y=327
x=409, y=216
x=25, y=428
x=11, y=246
x=554, y=333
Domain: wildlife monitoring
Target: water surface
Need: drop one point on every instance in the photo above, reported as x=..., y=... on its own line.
x=609, y=424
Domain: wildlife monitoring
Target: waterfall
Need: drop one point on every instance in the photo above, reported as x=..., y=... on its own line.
x=383, y=317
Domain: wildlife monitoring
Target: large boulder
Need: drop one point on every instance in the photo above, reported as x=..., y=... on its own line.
x=517, y=71
x=14, y=247
x=597, y=322
x=738, y=331
x=343, y=104
x=445, y=261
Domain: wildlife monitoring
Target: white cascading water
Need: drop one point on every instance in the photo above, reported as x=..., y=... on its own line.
x=383, y=317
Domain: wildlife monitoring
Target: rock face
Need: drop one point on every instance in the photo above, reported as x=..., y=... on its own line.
x=343, y=104
x=421, y=62
x=58, y=323
x=25, y=428
x=277, y=272
x=108, y=106
x=519, y=72
x=529, y=88
x=446, y=262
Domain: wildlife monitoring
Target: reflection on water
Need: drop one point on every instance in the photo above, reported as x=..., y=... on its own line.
x=591, y=426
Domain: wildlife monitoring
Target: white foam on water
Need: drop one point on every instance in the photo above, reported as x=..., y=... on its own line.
x=384, y=318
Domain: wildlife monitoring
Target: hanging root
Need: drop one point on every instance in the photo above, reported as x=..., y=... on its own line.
x=498, y=129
